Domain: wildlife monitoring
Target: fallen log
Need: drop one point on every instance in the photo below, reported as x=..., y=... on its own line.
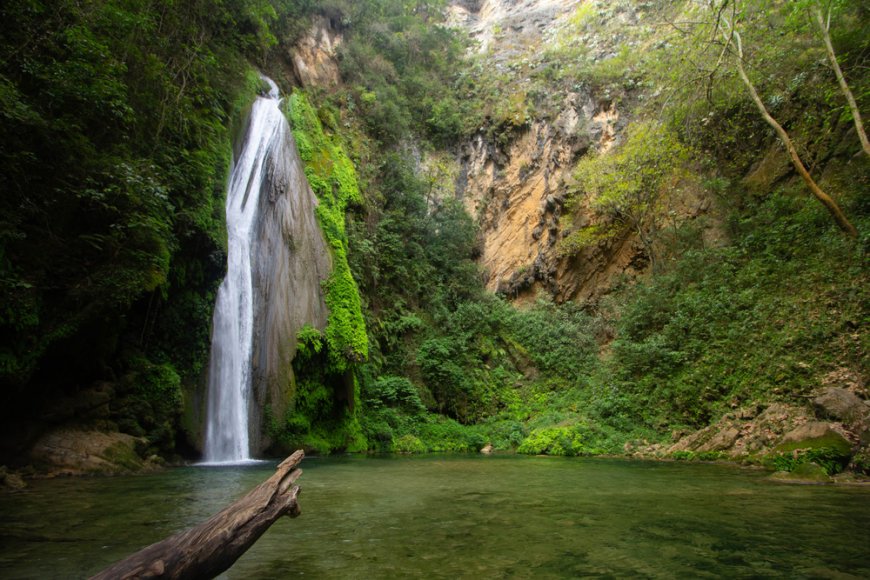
x=214, y=545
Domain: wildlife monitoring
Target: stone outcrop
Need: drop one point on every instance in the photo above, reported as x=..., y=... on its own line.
x=516, y=193
x=840, y=404
x=515, y=184
x=509, y=25
x=313, y=59
x=837, y=423
x=69, y=451
x=744, y=432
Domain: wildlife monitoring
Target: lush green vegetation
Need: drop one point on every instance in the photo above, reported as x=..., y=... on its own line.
x=117, y=119
x=716, y=328
x=115, y=133
x=333, y=178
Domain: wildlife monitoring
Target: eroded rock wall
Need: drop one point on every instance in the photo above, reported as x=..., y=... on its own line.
x=516, y=187
x=517, y=192
x=313, y=58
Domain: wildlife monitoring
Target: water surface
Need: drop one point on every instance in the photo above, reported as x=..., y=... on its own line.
x=469, y=517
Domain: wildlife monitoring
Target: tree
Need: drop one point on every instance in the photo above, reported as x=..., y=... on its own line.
x=733, y=43
x=824, y=24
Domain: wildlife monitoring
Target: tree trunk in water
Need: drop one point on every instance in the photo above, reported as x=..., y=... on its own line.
x=856, y=114
x=823, y=197
x=214, y=545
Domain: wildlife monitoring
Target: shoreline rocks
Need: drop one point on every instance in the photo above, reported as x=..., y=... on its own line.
x=69, y=451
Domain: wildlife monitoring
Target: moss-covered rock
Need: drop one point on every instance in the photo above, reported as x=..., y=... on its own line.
x=811, y=444
x=332, y=176
x=69, y=451
x=804, y=473
x=814, y=435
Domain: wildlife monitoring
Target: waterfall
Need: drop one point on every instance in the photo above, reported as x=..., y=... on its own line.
x=226, y=437
x=276, y=261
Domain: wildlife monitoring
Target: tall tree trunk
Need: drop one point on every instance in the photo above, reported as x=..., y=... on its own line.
x=823, y=197
x=856, y=114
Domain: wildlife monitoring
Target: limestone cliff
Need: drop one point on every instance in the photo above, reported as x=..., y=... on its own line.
x=516, y=187
x=313, y=58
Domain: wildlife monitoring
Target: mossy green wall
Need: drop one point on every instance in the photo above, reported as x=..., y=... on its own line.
x=333, y=178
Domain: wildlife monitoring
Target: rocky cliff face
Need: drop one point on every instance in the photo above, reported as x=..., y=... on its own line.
x=516, y=190
x=516, y=193
x=289, y=269
x=515, y=185
x=313, y=58
x=505, y=27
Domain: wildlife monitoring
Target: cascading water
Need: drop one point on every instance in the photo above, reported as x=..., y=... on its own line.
x=226, y=437
x=277, y=260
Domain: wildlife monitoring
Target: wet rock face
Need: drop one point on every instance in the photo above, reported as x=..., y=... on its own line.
x=291, y=263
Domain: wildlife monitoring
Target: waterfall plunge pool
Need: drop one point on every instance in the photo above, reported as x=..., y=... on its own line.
x=460, y=517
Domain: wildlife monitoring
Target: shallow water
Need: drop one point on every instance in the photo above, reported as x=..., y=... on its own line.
x=449, y=517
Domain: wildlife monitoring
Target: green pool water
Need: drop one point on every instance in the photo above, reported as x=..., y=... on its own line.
x=461, y=517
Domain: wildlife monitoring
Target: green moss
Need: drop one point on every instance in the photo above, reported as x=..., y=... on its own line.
x=123, y=457
x=831, y=441
x=830, y=452
x=333, y=178
x=552, y=441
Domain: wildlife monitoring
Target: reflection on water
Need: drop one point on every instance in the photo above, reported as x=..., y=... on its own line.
x=453, y=517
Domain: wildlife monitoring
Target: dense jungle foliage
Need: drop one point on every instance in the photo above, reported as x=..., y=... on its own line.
x=116, y=139
x=116, y=122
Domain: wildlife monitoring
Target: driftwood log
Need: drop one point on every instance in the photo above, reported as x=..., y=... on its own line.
x=214, y=545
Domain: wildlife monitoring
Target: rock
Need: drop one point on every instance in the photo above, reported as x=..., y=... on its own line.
x=10, y=481
x=747, y=413
x=68, y=451
x=804, y=473
x=722, y=441
x=840, y=405
x=814, y=435
x=314, y=57
x=487, y=449
x=678, y=434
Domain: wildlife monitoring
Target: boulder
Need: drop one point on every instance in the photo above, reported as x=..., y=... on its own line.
x=804, y=473
x=814, y=435
x=722, y=441
x=840, y=404
x=69, y=451
x=10, y=481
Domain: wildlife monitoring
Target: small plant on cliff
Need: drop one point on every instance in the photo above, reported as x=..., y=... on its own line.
x=630, y=187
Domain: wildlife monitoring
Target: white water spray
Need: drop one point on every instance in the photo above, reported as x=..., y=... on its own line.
x=230, y=370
